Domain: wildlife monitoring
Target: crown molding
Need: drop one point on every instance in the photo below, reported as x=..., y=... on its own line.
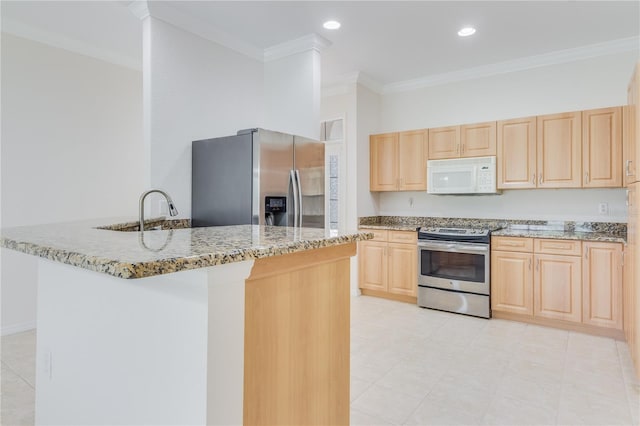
x=19, y=29
x=140, y=8
x=309, y=42
x=551, y=58
x=186, y=22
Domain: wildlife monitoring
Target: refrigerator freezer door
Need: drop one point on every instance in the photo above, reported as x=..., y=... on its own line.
x=272, y=164
x=309, y=162
x=221, y=181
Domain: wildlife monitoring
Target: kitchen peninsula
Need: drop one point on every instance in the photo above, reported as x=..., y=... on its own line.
x=218, y=325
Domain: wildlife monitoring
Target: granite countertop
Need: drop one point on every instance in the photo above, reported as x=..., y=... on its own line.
x=586, y=231
x=560, y=234
x=136, y=255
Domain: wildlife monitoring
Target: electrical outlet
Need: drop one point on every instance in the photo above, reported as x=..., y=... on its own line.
x=410, y=201
x=603, y=208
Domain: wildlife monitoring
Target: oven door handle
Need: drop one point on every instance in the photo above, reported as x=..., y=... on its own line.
x=453, y=247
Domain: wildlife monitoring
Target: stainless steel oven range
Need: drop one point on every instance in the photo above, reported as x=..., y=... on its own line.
x=454, y=270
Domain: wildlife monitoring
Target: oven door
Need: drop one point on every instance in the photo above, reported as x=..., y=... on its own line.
x=454, y=266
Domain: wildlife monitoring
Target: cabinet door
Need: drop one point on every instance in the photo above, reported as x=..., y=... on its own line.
x=632, y=154
x=372, y=269
x=557, y=287
x=628, y=148
x=383, y=154
x=412, y=160
x=444, y=142
x=517, y=153
x=478, y=140
x=559, y=147
x=403, y=269
x=632, y=277
x=602, y=148
x=602, y=284
x=512, y=282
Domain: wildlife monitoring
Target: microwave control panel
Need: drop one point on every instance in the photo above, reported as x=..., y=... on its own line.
x=486, y=178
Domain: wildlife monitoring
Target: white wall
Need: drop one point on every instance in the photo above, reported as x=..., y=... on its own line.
x=369, y=121
x=292, y=94
x=198, y=90
x=585, y=84
x=333, y=107
x=71, y=145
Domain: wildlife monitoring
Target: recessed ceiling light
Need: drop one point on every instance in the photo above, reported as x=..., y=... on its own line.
x=331, y=25
x=466, y=31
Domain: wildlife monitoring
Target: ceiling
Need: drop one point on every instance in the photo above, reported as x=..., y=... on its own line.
x=389, y=41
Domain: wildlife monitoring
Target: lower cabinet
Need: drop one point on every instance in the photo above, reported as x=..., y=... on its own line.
x=388, y=264
x=566, y=280
x=512, y=282
x=602, y=285
x=557, y=287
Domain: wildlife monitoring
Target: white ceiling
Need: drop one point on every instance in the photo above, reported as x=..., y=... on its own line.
x=390, y=41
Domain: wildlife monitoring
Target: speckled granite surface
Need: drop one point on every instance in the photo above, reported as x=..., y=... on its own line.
x=588, y=231
x=138, y=255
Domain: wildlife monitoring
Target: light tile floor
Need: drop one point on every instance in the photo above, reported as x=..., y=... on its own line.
x=416, y=366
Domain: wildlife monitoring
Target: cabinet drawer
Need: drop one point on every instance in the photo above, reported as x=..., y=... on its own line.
x=569, y=247
x=409, y=237
x=512, y=244
x=378, y=234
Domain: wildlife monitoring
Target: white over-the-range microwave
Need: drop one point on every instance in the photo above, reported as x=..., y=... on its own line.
x=462, y=176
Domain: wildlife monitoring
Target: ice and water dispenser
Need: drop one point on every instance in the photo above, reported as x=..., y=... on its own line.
x=275, y=211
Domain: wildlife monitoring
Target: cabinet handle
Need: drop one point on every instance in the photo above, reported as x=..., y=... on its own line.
x=533, y=178
x=586, y=177
x=462, y=149
x=628, y=168
x=537, y=264
x=540, y=180
x=529, y=263
x=457, y=148
x=586, y=253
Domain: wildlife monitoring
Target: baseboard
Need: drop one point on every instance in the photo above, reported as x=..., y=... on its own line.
x=564, y=325
x=390, y=296
x=18, y=328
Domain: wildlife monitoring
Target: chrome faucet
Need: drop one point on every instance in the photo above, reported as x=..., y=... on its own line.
x=172, y=210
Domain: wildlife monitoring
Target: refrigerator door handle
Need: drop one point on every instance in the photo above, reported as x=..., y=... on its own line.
x=299, y=186
x=294, y=188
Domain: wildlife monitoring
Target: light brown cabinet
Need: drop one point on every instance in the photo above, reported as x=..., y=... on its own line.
x=631, y=153
x=558, y=280
x=557, y=287
x=512, y=282
x=559, y=150
x=602, y=284
x=602, y=147
x=631, y=288
x=383, y=152
x=469, y=140
x=516, y=152
x=388, y=265
x=399, y=161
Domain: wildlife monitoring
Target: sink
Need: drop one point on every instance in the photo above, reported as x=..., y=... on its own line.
x=156, y=224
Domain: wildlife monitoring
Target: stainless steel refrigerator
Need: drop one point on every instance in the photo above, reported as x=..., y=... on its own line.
x=258, y=177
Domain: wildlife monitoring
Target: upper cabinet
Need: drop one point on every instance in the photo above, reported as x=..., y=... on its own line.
x=398, y=161
x=602, y=147
x=631, y=153
x=582, y=149
x=478, y=140
x=444, y=142
x=559, y=147
x=383, y=153
x=470, y=140
x=517, y=153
